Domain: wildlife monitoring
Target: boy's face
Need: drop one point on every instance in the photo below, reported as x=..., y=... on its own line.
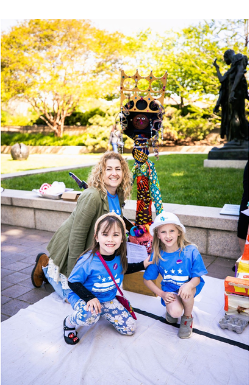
x=168, y=235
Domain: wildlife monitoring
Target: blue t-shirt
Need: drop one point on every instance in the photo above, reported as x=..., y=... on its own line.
x=91, y=272
x=177, y=269
x=113, y=203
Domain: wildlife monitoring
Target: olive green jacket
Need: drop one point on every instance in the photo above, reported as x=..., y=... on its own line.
x=76, y=234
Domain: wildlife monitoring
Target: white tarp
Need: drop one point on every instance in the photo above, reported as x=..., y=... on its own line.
x=34, y=351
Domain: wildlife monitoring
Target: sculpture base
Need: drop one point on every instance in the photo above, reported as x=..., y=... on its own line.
x=234, y=150
x=224, y=163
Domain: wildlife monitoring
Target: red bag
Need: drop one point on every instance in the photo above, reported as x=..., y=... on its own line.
x=122, y=299
x=126, y=304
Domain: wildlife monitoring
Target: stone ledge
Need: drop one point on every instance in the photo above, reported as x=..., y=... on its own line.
x=192, y=216
x=221, y=163
x=214, y=234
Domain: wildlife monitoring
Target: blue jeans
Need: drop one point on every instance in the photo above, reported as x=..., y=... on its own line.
x=115, y=147
x=63, y=293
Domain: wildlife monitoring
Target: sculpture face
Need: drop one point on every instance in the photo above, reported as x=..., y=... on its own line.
x=140, y=121
x=228, y=56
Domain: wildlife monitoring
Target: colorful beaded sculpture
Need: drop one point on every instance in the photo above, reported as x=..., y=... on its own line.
x=141, y=119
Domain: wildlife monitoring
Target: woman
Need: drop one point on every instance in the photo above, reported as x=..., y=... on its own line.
x=109, y=185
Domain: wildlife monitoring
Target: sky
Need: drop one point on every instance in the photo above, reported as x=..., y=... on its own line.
x=126, y=26
x=128, y=17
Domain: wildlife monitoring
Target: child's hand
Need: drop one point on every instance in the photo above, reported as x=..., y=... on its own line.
x=94, y=305
x=168, y=297
x=186, y=291
x=147, y=262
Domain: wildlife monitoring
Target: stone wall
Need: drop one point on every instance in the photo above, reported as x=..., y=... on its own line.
x=214, y=234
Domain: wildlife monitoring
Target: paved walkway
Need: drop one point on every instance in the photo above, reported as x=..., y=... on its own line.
x=19, y=249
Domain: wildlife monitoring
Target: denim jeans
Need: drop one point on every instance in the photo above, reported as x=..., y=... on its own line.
x=114, y=147
x=57, y=286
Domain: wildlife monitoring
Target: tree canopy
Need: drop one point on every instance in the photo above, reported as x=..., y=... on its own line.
x=188, y=55
x=55, y=64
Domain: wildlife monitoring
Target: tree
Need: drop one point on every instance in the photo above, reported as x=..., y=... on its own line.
x=54, y=64
x=188, y=55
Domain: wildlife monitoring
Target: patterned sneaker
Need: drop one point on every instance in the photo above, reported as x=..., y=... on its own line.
x=169, y=319
x=186, y=325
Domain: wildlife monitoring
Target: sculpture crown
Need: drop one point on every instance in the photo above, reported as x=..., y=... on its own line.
x=142, y=93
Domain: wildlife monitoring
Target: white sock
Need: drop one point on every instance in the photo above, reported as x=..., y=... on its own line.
x=69, y=325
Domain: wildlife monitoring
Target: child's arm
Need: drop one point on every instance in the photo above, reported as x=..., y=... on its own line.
x=166, y=296
x=186, y=290
x=135, y=267
x=86, y=295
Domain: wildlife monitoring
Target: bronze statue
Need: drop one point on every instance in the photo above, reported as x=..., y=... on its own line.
x=232, y=95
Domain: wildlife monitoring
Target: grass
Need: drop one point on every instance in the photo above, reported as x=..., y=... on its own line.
x=183, y=180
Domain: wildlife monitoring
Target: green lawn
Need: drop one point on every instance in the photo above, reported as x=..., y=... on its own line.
x=183, y=180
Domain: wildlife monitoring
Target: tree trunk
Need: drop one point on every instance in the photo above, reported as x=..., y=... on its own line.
x=60, y=129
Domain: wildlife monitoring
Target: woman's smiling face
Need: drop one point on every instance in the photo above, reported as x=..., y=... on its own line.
x=112, y=175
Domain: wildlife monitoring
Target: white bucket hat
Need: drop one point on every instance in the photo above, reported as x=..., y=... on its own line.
x=165, y=218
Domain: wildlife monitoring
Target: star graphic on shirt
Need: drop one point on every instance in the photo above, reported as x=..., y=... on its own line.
x=165, y=271
x=99, y=277
x=172, y=271
x=116, y=275
x=104, y=279
x=179, y=271
x=109, y=278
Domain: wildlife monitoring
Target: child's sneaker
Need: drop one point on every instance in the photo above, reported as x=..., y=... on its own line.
x=186, y=325
x=169, y=319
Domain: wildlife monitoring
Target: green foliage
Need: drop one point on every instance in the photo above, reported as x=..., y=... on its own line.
x=9, y=139
x=9, y=119
x=182, y=177
x=76, y=118
x=56, y=63
x=188, y=122
x=188, y=57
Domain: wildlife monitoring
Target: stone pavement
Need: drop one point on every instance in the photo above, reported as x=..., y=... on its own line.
x=19, y=249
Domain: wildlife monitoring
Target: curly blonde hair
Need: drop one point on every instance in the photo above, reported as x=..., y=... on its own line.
x=95, y=178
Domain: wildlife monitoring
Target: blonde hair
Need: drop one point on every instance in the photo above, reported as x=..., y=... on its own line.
x=158, y=246
x=95, y=179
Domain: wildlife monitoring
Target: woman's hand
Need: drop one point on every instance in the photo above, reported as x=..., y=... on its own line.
x=168, y=297
x=94, y=305
x=147, y=262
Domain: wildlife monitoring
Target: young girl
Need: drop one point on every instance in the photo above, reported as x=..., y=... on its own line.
x=181, y=267
x=93, y=291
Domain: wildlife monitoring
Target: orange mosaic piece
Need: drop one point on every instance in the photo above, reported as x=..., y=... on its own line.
x=237, y=286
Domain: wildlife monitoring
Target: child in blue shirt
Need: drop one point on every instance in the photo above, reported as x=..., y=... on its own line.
x=93, y=292
x=181, y=266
